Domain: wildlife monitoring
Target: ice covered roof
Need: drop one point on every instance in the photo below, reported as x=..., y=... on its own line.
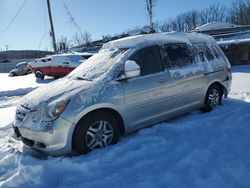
x=170, y=37
x=64, y=55
x=215, y=26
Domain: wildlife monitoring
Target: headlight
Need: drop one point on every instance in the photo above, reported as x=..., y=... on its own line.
x=55, y=108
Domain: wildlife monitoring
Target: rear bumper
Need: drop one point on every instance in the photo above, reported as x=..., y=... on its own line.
x=57, y=142
x=227, y=87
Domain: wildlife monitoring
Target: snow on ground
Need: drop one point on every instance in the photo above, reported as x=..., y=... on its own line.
x=19, y=85
x=194, y=150
x=7, y=115
x=13, y=88
x=241, y=89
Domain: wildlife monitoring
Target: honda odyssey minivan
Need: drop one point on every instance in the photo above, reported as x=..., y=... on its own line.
x=131, y=83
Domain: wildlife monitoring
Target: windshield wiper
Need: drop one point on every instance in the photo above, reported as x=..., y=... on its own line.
x=81, y=78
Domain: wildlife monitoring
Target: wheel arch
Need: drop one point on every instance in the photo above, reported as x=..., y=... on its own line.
x=116, y=114
x=37, y=70
x=221, y=86
x=112, y=111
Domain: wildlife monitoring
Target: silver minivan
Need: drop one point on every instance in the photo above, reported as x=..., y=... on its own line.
x=131, y=83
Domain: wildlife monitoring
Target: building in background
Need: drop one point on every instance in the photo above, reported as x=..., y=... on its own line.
x=233, y=39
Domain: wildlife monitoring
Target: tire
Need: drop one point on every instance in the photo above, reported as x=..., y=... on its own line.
x=11, y=74
x=213, y=98
x=39, y=74
x=97, y=130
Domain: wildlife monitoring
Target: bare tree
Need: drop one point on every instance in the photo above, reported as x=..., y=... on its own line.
x=77, y=39
x=191, y=20
x=188, y=21
x=87, y=37
x=176, y=24
x=183, y=22
x=82, y=38
x=215, y=12
x=157, y=26
x=106, y=37
x=63, y=44
x=239, y=13
x=165, y=26
x=149, y=5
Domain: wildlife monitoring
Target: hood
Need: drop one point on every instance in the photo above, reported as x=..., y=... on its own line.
x=60, y=89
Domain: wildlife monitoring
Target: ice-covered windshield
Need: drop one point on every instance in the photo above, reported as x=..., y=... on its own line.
x=97, y=65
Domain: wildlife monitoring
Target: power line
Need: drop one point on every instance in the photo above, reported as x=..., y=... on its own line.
x=71, y=18
x=42, y=38
x=13, y=19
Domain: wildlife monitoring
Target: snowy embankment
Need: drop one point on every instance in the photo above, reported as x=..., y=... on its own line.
x=194, y=150
x=12, y=88
x=19, y=85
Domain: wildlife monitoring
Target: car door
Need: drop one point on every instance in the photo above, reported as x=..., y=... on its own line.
x=59, y=65
x=187, y=76
x=21, y=69
x=147, y=97
x=46, y=66
x=65, y=66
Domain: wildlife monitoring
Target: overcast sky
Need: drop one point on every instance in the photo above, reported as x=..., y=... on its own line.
x=30, y=29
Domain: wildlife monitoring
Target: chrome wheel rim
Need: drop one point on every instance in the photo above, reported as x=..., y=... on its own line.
x=99, y=134
x=214, y=97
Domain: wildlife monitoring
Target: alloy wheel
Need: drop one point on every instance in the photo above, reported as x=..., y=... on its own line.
x=99, y=134
x=214, y=97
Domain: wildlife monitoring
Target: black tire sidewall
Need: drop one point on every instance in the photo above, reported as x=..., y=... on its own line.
x=79, y=144
x=207, y=106
x=11, y=74
x=39, y=74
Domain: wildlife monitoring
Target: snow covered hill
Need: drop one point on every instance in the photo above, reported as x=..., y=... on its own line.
x=194, y=150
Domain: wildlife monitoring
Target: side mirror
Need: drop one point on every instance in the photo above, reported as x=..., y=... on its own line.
x=132, y=69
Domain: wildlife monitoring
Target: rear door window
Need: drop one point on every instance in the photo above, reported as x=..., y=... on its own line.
x=149, y=60
x=179, y=55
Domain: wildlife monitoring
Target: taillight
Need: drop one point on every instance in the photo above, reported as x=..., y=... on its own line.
x=229, y=69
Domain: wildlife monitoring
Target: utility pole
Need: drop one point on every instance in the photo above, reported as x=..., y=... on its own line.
x=7, y=47
x=52, y=33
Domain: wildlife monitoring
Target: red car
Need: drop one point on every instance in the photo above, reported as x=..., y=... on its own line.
x=56, y=65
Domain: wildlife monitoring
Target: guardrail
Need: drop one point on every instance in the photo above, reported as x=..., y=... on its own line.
x=7, y=67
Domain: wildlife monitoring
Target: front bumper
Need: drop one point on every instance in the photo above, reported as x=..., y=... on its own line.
x=56, y=142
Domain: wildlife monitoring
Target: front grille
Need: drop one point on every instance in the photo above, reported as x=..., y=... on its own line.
x=21, y=112
x=27, y=141
x=31, y=143
x=16, y=131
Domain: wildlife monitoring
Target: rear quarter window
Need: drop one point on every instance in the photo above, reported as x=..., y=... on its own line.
x=179, y=55
x=76, y=58
x=149, y=60
x=206, y=51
